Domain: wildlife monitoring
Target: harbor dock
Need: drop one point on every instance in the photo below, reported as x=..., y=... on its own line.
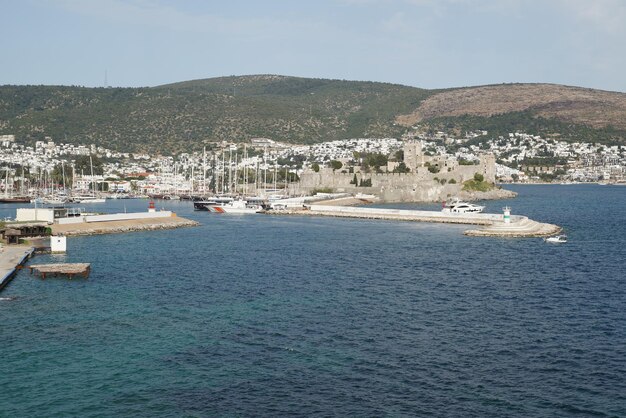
x=61, y=269
x=11, y=259
x=490, y=224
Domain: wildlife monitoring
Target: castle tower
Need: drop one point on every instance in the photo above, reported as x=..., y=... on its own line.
x=488, y=167
x=413, y=156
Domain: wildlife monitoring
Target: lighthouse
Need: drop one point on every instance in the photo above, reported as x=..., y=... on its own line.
x=507, y=214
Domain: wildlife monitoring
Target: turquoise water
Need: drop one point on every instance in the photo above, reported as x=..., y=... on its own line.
x=261, y=315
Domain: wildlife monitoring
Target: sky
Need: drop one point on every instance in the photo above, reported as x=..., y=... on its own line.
x=421, y=43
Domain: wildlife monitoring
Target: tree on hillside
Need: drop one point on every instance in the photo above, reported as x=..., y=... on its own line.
x=401, y=168
x=335, y=164
x=376, y=159
x=82, y=165
x=62, y=174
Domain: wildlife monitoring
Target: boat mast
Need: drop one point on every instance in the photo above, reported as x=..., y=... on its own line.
x=63, y=172
x=245, y=169
x=264, y=170
x=223, y=168
x=204, y=171
x=93, y=183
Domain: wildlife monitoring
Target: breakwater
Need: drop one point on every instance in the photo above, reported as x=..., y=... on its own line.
x=121, y=226
x=492, y=225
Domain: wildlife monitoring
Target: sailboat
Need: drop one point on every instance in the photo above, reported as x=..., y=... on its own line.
x=90, y=198
x=10, y=198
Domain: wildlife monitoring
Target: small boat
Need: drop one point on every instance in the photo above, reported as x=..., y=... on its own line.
x=458, y=206
x=88, y=199
x=557, y=239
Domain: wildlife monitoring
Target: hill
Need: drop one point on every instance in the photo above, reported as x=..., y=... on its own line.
x=571, y=112
x=188, y=115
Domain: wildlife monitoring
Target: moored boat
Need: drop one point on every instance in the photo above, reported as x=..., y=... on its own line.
x=88, y=199
x=240, y=207
x=15, y=199
x=208, y=204
x=458, y=206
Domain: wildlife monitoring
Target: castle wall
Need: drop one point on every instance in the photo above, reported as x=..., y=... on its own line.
x=418, y=185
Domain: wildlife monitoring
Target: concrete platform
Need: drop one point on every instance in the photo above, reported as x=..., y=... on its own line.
x=111, y=227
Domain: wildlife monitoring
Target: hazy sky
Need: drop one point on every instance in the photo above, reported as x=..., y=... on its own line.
x=422, y=43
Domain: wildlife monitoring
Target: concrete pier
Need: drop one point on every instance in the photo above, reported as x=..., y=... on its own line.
x=11, y=259
x=120, y=226
x=493, y=225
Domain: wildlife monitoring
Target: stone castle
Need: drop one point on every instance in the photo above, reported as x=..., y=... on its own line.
x=430, y=178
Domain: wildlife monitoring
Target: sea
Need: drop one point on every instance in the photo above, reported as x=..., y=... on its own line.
x=258, y=315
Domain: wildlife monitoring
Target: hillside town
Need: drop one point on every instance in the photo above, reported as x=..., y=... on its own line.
x=520, y=157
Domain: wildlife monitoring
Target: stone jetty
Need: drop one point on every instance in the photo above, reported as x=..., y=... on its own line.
x=492, y=225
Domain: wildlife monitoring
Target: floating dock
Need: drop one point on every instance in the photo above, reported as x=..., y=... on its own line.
x=61, y=269
x=491, y=224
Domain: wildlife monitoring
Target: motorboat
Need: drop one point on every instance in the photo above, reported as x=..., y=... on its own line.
x=458, y=206
x=557, y=239
x=239, y=206
x=210, y=203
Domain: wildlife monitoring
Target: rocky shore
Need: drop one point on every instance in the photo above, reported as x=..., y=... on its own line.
x=115, y=227
x=494, y=194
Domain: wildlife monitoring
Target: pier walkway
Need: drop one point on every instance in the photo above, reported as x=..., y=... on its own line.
x=11, y=258
x=491, y=224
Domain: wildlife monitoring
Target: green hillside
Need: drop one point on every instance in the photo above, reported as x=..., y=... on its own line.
x=188, y=115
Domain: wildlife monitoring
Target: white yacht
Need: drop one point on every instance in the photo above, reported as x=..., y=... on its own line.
x=239, y=206
x=458, y=206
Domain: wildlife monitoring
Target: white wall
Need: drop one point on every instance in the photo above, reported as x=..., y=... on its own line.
x=32, y=214
x=115, y=217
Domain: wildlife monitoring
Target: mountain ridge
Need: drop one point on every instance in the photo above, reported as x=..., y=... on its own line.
x=188, y=115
